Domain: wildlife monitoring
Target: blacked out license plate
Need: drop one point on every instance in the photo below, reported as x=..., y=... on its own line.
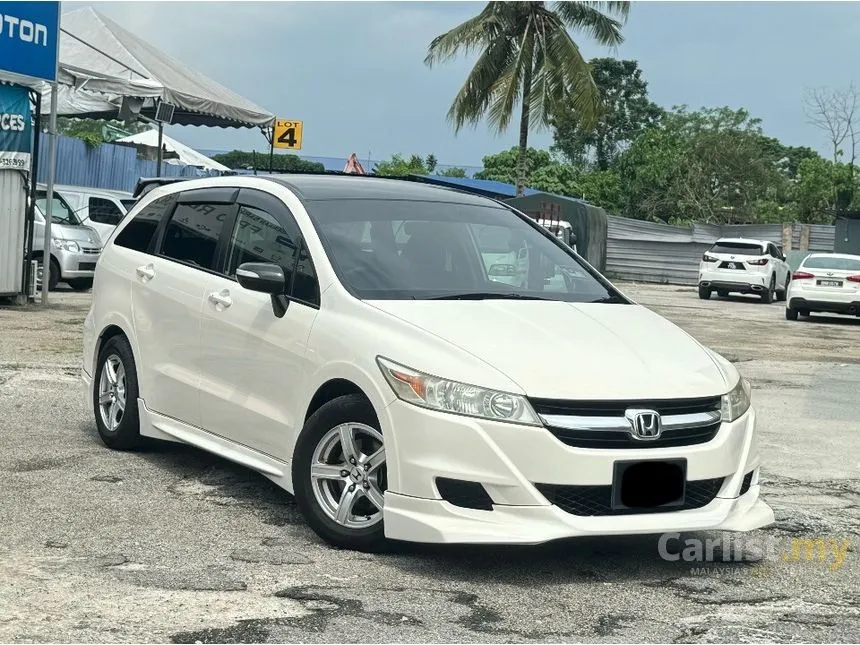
x=829, y=283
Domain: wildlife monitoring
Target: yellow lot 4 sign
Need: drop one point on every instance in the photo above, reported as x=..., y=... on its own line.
x=288, y=134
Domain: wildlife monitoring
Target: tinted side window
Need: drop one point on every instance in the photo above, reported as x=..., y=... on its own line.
x=139, y=233
x=104, y=211
x=192, y=233
x=305, y=285
x=258, y=237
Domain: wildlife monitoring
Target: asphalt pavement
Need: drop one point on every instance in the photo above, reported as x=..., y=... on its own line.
x=174, y=545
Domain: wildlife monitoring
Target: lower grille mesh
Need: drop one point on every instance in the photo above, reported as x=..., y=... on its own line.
x=597, y=500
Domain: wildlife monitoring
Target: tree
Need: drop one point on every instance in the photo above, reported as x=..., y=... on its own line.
x=542, y=172
x=627, y=111
x=837, y=113
x=711, y=165
x=280, y=162
x=93, y=131
x=430, y=163
x=453, y=171
x=527, y=56
x=398, y=166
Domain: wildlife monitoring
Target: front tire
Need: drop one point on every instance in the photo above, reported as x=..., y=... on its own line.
x=339, y=474
x=81, y=284
x=704, y=293
x=55, y=274
x=790, y=314
x=115, y=394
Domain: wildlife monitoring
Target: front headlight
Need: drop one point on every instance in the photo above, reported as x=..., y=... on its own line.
x=441, y=394
x=736, y=402
x=68, y=245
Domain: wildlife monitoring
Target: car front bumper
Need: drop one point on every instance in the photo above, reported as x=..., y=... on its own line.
x=76, y=265
x=510, y=460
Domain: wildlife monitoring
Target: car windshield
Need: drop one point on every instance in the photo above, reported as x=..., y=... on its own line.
x=61, y=212
x=830, y=262
x=398, y=250
x=737, y=248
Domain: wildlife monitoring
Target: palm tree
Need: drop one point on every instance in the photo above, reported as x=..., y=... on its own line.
x=527, y=55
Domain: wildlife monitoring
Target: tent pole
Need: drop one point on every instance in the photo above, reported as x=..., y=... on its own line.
x=271, y=152
x=159, y=157
x=49, y=206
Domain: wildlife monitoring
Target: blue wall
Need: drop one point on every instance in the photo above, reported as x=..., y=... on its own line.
x=108, y=166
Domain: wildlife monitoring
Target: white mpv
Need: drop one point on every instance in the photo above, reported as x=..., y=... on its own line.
x=342, y=336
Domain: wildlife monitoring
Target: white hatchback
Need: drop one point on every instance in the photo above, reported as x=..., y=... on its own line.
x=827, y=283
x=343, y=336
x=739, y=265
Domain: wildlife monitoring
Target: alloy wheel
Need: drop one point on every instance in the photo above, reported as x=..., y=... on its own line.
x=348, y=475
x=112, y=393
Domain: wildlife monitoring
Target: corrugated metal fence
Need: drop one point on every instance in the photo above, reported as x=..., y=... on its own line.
x=655, y=252
x=107, y=166
x=13, y=202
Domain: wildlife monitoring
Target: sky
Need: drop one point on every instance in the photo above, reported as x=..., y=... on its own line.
x=354, y=72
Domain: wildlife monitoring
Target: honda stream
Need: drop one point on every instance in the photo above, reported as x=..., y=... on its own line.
x=344, y=337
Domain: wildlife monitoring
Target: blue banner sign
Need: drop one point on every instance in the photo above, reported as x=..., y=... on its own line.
x=15, y=130
x=30, y=38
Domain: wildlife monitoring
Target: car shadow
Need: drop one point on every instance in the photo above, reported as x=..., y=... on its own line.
x=585, y=559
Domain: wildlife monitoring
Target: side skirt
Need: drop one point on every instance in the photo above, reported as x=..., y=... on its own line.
x=157, y=426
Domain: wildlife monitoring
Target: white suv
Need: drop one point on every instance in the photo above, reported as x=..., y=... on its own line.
x=738, y=265
x=343, y=337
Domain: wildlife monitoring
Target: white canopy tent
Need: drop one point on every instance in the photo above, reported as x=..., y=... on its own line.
x=187, y=156
x=100, y=62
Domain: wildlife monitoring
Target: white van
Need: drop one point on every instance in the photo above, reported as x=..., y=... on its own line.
x=98, y=208
x=75, y=247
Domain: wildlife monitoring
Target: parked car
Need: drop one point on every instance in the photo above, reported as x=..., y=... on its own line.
x=98, y=208
x=739, y=265
x=341, y=335
x=75, y=248
x=825, y=282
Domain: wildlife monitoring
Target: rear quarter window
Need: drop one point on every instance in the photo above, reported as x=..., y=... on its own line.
x=139, y=233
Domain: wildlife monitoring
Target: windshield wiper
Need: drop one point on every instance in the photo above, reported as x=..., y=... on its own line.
x=608, y=300
x=487, y=295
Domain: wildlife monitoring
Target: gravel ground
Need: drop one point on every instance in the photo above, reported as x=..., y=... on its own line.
x=172, y=544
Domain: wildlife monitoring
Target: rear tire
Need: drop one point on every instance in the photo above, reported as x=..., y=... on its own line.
x=790, y=314
x=115, y=394
x=782, y=295
x=343, y=429
x=767, y=297
x=704, y=293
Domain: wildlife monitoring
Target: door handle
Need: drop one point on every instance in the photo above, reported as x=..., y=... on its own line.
x=221, y=298
x=146, y=273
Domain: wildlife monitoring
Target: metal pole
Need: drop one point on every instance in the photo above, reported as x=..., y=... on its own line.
x=159, y=157
x=49, y=204
x=29, y=218
x=271, y=152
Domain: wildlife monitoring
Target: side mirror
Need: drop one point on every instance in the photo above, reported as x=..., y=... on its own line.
x=265, y=278
x=262, y=277
x=572, y=238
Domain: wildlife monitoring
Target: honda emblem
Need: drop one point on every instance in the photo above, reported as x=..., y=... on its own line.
x=645, y=425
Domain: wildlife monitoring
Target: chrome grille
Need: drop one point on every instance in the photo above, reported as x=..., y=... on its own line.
x=602, y=424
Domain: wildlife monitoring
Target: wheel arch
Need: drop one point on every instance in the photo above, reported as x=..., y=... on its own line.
x=341, y=378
